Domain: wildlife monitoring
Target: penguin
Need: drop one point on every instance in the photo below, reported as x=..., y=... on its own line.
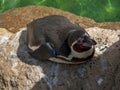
x=57, y=39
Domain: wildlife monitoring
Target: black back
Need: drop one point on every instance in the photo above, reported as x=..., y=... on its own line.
x=54, y=29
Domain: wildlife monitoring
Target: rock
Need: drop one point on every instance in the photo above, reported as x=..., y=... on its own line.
x=15, y=19
x=19, y=71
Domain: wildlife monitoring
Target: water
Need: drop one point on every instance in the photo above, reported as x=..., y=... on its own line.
x=99, y=10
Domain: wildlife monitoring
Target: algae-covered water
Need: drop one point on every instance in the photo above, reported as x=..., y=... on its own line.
x=99, y=10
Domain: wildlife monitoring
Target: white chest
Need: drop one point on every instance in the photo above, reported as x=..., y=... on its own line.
x=80, y=55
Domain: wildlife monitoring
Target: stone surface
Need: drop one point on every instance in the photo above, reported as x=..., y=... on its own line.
x=18, y=18
x=19, y=71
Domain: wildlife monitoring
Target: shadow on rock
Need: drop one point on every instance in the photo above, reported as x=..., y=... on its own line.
x=102, y=71
x=55, y=75
x=109, y=67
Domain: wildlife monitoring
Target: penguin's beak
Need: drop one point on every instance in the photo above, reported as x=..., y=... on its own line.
x=86, y=41
x=93, y=42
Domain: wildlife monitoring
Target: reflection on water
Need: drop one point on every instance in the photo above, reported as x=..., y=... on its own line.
x=99, y=10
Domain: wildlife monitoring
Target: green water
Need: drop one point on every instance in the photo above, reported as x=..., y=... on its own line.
x=99, y=10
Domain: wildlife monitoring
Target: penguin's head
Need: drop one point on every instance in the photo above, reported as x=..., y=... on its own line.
x=80, y=40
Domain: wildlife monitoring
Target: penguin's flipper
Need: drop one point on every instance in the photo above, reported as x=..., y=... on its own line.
x=60, y=60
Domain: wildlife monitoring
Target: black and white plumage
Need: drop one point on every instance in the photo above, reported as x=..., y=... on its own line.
x=57, y=39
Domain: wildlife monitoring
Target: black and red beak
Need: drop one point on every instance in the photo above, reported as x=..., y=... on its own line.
x=86, y=41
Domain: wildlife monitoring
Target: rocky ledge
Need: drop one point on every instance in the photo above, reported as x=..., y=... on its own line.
x=19, y=71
